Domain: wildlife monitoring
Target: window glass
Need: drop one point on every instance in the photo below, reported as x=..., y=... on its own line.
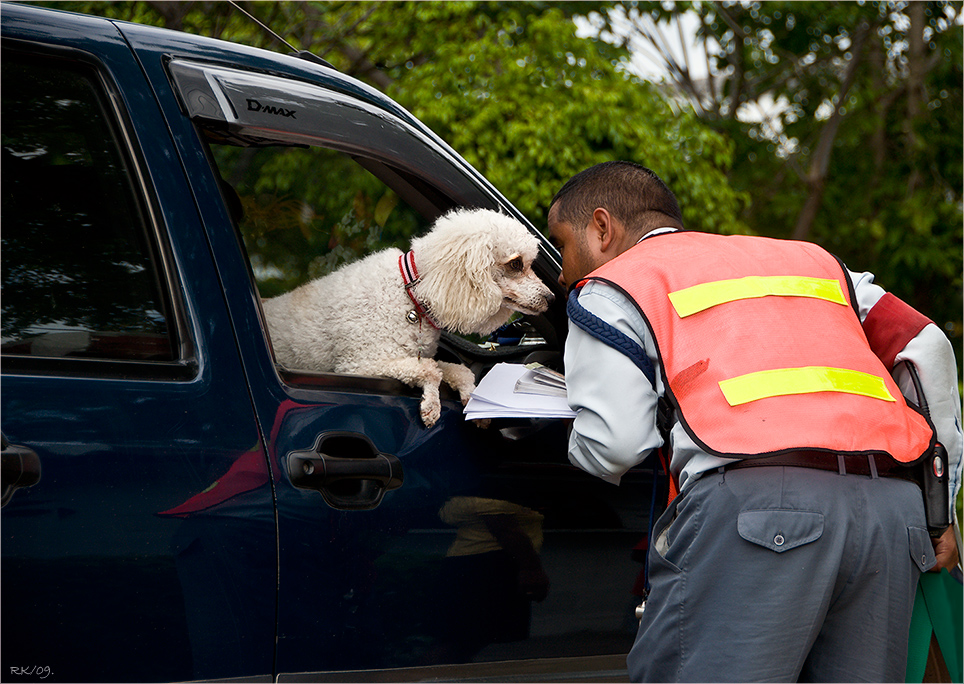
x=78, y=278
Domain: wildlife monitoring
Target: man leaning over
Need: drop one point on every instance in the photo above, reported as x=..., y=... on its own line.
x=795, y=545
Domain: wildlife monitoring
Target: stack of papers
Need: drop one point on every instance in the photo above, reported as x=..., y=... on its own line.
x=541, y=380
x=512, y=390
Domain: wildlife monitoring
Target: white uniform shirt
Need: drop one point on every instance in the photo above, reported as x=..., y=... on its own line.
x=615, y=424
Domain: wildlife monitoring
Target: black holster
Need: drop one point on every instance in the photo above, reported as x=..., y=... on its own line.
x=931, y=473
x=934, y=486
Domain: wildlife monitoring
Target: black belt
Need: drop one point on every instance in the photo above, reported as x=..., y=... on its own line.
x=844, y=464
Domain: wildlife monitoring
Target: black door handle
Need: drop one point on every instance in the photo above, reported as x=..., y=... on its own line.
x=347, y=469
x=19, y=467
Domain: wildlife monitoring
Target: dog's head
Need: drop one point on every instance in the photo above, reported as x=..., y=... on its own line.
x=475, y=269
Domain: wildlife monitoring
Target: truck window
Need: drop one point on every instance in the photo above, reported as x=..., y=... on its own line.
x=78, y=276
x=304, y=211
x=315, y=178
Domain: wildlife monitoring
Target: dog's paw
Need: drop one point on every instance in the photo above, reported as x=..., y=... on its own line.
x=482, y=422
x=431, y=411
x=459, y=378
x=466, y=387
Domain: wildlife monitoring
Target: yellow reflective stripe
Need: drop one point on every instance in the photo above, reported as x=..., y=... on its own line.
x=783, y=381
x=707, y=295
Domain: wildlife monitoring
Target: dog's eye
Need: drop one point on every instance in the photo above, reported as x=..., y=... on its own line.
x=515, y=264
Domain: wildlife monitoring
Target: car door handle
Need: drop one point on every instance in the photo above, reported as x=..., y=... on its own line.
x=19, y=467
x=348, y=470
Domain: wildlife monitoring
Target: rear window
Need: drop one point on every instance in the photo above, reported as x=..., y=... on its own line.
x=79, y=278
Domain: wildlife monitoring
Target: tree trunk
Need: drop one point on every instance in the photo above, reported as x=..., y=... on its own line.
x=915, y=85
x=820, y=161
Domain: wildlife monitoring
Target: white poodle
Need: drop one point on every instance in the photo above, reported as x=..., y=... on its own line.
x=382, y=315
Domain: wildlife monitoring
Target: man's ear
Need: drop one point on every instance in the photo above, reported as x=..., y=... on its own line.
x=605, y=232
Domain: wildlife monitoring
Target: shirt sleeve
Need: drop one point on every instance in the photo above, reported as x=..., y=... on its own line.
x=933, y=356
x=609, y=436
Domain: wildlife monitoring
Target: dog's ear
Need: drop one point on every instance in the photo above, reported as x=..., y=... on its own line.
x=455, y=262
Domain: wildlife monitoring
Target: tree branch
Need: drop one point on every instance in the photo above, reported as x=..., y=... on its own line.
x=820, y=161
x=361, y=66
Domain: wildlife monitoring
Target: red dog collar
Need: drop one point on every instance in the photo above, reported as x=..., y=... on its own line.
x=406, y=264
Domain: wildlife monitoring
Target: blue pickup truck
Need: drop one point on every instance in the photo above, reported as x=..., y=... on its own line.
x=158, y=519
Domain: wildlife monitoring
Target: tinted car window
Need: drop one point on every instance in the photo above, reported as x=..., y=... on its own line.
x=78, y=276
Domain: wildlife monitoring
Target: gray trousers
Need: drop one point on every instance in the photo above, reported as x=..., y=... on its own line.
x=781, y=574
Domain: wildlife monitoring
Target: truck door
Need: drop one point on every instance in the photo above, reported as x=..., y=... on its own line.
x=405, y=553
x=130, y=556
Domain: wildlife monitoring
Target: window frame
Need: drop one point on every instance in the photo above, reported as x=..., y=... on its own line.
x=184, y=366
x=211, y=97
x=428, y=200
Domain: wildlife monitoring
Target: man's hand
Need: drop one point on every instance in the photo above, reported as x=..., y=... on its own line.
x=945, y=548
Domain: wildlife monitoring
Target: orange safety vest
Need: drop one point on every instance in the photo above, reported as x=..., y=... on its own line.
x=761, y=349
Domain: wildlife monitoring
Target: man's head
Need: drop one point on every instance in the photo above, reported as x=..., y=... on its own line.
x=603, y=211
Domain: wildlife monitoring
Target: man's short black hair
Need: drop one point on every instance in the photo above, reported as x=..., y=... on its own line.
x=630, y=192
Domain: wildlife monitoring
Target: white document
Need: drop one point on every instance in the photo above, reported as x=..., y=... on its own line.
x=541, y=380
x=496, y=397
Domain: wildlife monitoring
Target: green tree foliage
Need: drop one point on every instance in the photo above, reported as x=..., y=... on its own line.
x=529, y=104
x=307, y=211
x=861, y=146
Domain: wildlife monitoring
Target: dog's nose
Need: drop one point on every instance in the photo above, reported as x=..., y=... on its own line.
x=549, y=297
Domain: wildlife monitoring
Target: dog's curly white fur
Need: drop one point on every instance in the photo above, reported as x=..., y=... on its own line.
x=475, y=270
